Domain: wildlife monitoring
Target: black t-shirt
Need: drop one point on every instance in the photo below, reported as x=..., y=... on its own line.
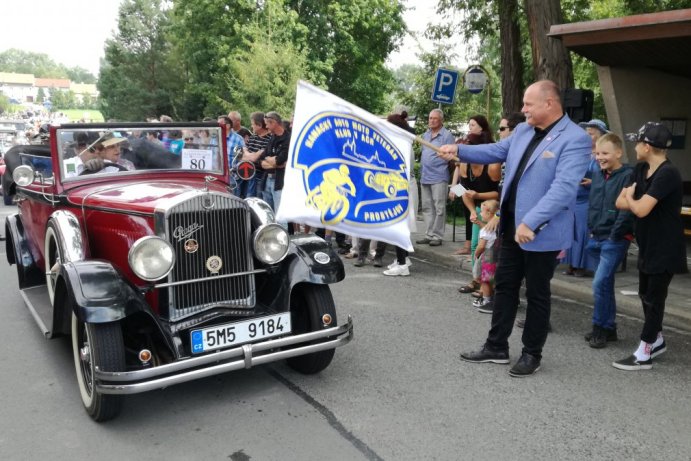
x=278, y=147
x=660, y=235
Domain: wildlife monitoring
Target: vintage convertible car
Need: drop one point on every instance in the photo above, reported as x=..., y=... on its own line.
x=158, y=272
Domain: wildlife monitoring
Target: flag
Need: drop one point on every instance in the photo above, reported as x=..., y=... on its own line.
x=347, y=170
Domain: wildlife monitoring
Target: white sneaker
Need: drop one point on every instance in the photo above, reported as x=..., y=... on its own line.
x=408, y=263
x=397, y=270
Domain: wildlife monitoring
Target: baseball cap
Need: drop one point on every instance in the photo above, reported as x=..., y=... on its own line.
x=653, y=133
x=595, y=123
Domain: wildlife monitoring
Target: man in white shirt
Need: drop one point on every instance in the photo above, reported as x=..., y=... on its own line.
x=96, y=157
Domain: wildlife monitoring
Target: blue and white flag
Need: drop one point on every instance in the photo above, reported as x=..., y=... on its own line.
x=347, y=170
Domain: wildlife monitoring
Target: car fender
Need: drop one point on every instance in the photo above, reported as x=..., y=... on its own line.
x=17, y=252
x=100, y=293
x=313, y=260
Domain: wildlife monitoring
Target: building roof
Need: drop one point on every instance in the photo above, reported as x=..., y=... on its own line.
x=10, y=78
x=660, y=41
x=62, y=83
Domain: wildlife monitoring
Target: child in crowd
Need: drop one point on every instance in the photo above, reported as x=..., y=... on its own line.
x=485, y=259
x=611, y=231
x=654, y=197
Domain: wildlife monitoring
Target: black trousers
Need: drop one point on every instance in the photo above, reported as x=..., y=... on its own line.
x=468, y=224
x=513, y=266
x=401, y=254
x=340, y=238
x=652, y=289
x=363, y=248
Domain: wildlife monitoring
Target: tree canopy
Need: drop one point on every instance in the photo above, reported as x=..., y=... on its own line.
x=42, y=66
x=507, y=37
x=196, y=58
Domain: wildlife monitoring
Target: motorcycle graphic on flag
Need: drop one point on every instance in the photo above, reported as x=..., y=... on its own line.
x=347, y=170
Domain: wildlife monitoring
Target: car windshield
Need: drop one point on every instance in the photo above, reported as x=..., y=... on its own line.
x=84, y=151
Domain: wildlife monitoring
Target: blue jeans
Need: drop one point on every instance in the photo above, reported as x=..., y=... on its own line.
x=272, y=196
x=247, y=188
x=609, y=254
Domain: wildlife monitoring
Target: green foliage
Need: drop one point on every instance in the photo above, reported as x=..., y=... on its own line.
x=138, y=79
x=414, y=89
x=40, y=96
x=476, y=22
x=80, y=75
x=273, y=47
x=63, y=99
x=4, y=103
x=652, y=6
x=39, y=64
x=248, y=55
x=349, y=41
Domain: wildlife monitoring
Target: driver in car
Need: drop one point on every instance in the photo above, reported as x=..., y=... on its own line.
x=101, y=156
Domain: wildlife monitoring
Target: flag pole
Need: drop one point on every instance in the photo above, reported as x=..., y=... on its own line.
x=434, y=147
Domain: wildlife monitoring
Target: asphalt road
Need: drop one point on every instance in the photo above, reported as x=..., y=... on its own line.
x=397, y=392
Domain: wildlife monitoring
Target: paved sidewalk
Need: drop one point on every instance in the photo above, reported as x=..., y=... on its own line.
x=677, y=309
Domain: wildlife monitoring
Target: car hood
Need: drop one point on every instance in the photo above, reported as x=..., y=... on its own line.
x=139, y=197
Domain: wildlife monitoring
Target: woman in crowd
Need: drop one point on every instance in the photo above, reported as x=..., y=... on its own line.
x=481, y=182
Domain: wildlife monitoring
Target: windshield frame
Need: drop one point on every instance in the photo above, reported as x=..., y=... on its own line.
x=141, y=156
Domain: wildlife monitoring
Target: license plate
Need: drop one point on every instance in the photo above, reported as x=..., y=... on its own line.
x=230, y=334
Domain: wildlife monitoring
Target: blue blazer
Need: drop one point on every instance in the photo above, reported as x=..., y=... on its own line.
x=546, y=191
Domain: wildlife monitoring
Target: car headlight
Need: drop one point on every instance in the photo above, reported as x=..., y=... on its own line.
x=151, y=258
x=271, y=243
x=23, y=175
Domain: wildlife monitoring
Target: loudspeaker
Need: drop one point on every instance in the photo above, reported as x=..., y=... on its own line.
x=578, y=104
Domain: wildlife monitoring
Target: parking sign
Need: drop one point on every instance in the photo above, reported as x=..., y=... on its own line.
x=444, y=91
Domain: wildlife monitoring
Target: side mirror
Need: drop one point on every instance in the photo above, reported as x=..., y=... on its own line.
x=23, y=175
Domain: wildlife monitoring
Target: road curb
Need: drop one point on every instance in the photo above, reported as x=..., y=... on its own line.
x=675, y=316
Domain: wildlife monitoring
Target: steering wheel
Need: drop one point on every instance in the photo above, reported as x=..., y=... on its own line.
x=105, y=165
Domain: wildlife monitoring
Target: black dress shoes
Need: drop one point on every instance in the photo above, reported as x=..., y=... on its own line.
x=485, y=355
x=527, y=365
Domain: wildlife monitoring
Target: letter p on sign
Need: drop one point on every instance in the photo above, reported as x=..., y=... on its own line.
x=444, y=90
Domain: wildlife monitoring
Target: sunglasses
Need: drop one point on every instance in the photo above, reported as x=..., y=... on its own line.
x=502, y=128
x=189, y=139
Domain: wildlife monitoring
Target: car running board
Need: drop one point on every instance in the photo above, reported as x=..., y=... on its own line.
x=38, y=303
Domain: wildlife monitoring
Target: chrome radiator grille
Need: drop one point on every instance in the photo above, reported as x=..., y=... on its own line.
x=220, y=233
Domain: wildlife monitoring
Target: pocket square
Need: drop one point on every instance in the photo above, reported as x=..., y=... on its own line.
x=548, y=154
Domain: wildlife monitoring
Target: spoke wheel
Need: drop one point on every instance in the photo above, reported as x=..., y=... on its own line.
x=53, y=259
x=97, y=344
x=308, y=304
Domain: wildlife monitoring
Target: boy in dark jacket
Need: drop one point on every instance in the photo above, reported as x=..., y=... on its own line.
x=611, y=232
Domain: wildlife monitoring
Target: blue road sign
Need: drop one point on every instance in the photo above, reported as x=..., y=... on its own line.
x=445, y=82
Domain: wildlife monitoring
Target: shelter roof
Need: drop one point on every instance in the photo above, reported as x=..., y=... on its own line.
x=660, y=41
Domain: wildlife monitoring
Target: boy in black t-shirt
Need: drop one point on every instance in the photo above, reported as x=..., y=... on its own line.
x=654, y=197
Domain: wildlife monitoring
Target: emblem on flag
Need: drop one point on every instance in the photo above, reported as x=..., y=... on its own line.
x=347, y=170
x=351, y=172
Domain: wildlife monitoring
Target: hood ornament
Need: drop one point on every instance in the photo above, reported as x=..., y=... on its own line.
x=208, y=201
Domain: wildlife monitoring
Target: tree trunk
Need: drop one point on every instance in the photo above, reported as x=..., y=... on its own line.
x=551, y=59
x=511, y=60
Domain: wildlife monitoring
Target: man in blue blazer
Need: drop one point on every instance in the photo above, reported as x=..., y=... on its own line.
x=546, y=158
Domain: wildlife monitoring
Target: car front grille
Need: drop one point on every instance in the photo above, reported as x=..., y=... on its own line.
x=211, y=236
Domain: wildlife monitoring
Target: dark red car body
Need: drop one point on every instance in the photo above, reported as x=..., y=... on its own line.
x=72, y=242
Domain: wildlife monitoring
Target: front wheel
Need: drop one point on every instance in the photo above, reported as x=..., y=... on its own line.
x=308, y=304
x=97, y=344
